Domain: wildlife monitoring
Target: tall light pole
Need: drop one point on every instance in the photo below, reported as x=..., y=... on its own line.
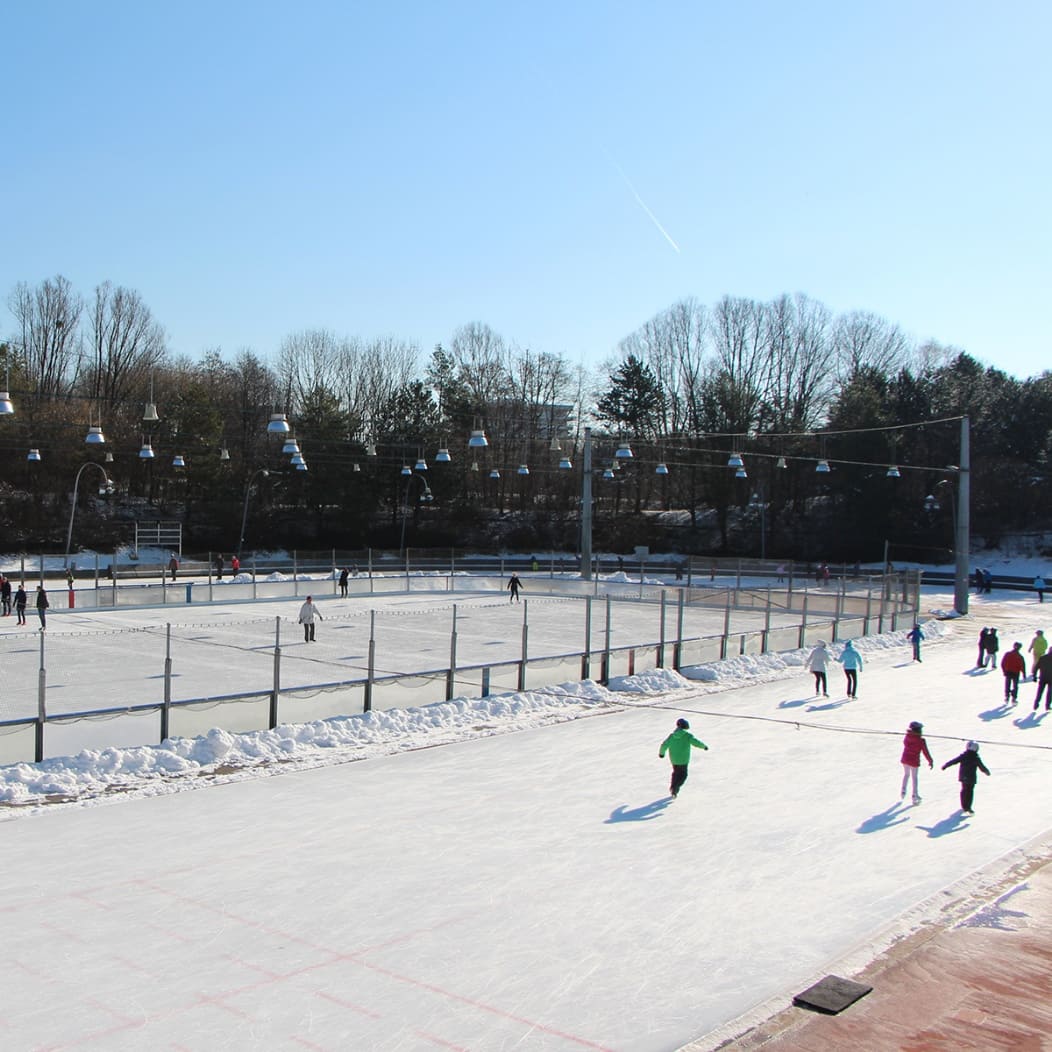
x=586, y=507
x=963, y=539
x=108, y=488
x=425, y=498
x=244, y=511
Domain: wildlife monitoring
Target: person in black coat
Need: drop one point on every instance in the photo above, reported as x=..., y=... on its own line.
x=980, y=661
x=969, y=764
x=993, y=645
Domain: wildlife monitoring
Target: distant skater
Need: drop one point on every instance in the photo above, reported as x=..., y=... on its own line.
x=993, y=645
x=42, y=605
x=1039, y=587
x=514, y=584
x=1013, y=665
x=980, y=661
x=20, y=604
x=817, y=662
x=913, y=747
x=308, y=613
x=1038, y=646
x=851, y=659
x=1044, y=681
x=915, y=636
x=678, y=745
x=968, y=764
x=344, y=574
x=5, y=595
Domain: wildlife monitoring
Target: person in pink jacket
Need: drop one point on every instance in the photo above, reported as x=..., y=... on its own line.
x=913, y=747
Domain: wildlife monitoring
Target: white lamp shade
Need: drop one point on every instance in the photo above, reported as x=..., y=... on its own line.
x=33, y=454
x=178, y=461
x=893, y=472
x=780, y=463
x=278, y=424
x=822, y=467
x=494, y=474
x=735, y=461
x=421, y=464
x=565, y=464
x=6, y=406
x=297, y=459
x=478, y=440
x=291, y=446
x=94, y=437
x=406, y=469
x=224, y=453
x=442, y=456
x=524, y=469
x=146, y=453
x=150, y=414
x=741, y=473
x=608, y=473
x=661, y=469
x=624, y=451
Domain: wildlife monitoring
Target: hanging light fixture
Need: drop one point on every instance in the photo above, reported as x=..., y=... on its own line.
x=478, y=440
x=278, y=425
x=565, y=464
x=524, y=469
x=474, y=465
x=442, y=456
x=780, y=463
x=370, y=449
x=146, y=453
x=735, y=461
x=6, y=405
x=555, y=446
x=822, y=467
x=608, y=473
x=108, y=458
x=302, y=465
x=893, y=472
x=94, y=437
x=624, y=451
x=149, y=415
x=291, y=446
x=297, y=459
x=741, y=473
x=661, y=469
x=224, y=453
x=33, y=454
x=494, y=474
x=178, y=461
x=357, y=466
x=421, y=464
x=406, y=469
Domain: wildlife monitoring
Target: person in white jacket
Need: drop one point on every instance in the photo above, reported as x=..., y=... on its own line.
x=308, y=612
x=851, y=659
x=817, y=662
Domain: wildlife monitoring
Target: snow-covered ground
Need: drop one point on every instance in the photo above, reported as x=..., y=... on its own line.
x=527, y=885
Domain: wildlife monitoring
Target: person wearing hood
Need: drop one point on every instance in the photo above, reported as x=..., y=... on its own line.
x=1038, y=646
x=678, y=745
x=1013, y=665
x=968, y=765
x=915, y=636
x=913, y=747
x=851, y=659
x=817, y=662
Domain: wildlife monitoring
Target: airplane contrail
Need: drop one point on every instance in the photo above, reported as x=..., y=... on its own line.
x=642, y=204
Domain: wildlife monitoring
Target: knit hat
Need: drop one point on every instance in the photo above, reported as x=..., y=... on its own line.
x=683, y=723
x=915, y=726
x=973, y=746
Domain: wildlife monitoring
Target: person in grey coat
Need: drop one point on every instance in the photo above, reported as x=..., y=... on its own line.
x=308, y=613
x=817, y=662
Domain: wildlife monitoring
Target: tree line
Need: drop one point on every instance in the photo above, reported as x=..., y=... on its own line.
x=784, y=383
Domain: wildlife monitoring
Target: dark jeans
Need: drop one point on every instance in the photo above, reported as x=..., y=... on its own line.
x=852, y=681
x=1012, y=686
x=967, y=792
x=820, y=683
x=679, y=776
x=308, y=632
x=1043, y=685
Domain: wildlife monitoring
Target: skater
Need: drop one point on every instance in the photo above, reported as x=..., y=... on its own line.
x=1039, y=587
x=913, y=747
x=514, y=584
x=851, y=659
x=1013, y=665
x=42, y=605
x=980, y=661
x=219, y=567
x=173, y=566
x=993, y=645
x=5, y=595
x=308, y=612
x=1038, y=646
x=678, y=745
x=1044, y=682
x=235, y=565
x=968, y=763
x=817, y=662
x=988, y=582
x=915, y=636
x=20, y=603
x=344, y=574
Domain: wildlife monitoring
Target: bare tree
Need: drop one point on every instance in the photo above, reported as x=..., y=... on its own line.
x=371, y=375
x=308, y=361
x=861, y=339
x=738, y=377
x=48, y=319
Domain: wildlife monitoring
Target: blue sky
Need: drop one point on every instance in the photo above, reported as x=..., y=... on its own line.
x=561, y=172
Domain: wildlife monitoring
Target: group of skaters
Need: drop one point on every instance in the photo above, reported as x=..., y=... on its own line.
x=16, y=600
x=1013, y=665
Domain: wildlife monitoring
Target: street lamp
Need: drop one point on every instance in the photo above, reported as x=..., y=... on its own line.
x=425, y=498
x=107, y=487
x=244, y=511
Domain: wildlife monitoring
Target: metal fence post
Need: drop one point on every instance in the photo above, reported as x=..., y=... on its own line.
x=525, y=643
x=661, y=633
x=295, y=573
x=803, y=621
x=451, y=677
x=766, y=623
x=605, y=679
x=38, y=751
x=726, y=626
x=586, y=659
x=677, y=654
x=166, y=708
x=273, y=721
x=370, y=672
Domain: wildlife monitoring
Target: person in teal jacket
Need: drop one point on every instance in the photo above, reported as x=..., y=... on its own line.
x=678, y=745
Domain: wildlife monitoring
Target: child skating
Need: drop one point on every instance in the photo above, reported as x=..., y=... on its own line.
x=851, y=659
x=817, y=662
x=913, y=747
x=968, y=764
x=678, y=745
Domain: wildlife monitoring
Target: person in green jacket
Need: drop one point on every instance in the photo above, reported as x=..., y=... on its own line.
x=678, y=745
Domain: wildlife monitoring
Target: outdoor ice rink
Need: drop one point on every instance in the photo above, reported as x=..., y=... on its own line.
x=532, y=891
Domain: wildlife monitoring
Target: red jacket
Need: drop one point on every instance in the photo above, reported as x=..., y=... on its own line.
x=1013, y=661
x=913, y=745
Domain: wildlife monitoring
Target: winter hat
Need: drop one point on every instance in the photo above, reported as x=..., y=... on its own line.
x=683, y=723
x=973, y=746
x=915, y=726
x=1017, y=646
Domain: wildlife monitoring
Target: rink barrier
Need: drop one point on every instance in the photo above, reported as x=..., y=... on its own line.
x=832, y=615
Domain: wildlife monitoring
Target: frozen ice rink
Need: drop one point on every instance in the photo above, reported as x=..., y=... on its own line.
x=534, y=890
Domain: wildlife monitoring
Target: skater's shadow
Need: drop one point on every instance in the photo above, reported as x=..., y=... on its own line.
x=976, y=671
x=890, y=816
x=1031, y=720
x=951, y=824
x=996, y=714
x=624, y=813
x=792, y=703
x=828, y=705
